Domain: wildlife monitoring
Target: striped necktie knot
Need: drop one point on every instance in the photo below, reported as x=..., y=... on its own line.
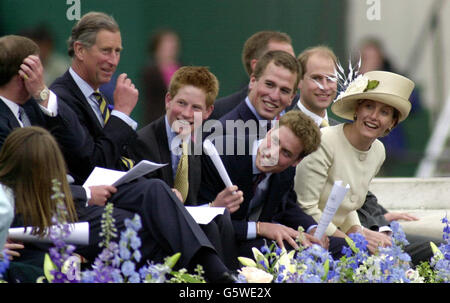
x=103, y=105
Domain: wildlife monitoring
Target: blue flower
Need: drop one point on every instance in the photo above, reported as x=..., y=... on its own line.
x=128, y=268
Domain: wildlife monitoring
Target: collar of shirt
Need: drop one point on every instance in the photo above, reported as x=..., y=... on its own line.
x=255, y=147
x=262, y=122
x=174, y=142
x=87, y=91
x=85, y=88
x=51, y=109
x=316, y=118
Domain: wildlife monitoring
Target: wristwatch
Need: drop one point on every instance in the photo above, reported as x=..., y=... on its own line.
x=43, y=95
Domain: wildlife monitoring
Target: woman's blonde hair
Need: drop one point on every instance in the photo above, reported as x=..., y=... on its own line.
x=29, y=160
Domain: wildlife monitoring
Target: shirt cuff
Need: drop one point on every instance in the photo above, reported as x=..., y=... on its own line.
x=52, y=106
x=251, y=230
x=133, y=124
x=310, y=228
x=88, y=195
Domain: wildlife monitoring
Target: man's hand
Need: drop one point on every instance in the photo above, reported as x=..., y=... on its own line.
x=11, y=248
x=178, y=194
x=324, y=242
x=376, y=239
x=32, y=72
x=125, y=95
x=230, y=197
x=392, y=216
x=280, y=233
x=100, y=194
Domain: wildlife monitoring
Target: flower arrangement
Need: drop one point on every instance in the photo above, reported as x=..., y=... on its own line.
x=315, y=265
x=117, y=262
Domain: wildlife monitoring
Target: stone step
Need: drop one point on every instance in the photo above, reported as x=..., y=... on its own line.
x=426, y=198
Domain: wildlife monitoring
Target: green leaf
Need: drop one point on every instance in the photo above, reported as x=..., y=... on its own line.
x=372, y=84
x=326, y=268
x=171, y=261
x=352, y=245
x=48, y=267
x=188, y=278
x=247, y=262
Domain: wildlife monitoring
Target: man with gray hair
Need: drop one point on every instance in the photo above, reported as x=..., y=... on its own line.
x=95, y=45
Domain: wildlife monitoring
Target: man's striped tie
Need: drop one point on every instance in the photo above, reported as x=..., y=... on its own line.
x=103, y=105
x=104, y=109
x=181, y=182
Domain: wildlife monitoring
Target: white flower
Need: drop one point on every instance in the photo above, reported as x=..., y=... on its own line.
x=357, y=86
x=414, y=276
x=255, y=275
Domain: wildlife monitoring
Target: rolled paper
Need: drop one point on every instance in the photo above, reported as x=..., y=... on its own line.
x=211, y=151
x=335, y=198
x=79, y=234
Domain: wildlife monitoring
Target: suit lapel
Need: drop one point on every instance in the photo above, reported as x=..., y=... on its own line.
x=8, y=115
x=80, y=98
x=163, y=150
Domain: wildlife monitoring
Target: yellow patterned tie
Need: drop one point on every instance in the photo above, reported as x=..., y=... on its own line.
x=324, y=123
x=103, y=105
x=181, y=178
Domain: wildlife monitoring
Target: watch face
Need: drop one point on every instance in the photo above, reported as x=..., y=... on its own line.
x=44, y=94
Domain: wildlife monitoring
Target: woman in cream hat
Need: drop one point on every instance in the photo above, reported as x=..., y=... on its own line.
x=376, y=102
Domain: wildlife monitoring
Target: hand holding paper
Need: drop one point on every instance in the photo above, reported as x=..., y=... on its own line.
x=335, y=199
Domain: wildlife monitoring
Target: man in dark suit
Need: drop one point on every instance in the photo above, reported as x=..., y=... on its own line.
x=22, y=77
x=266, y=177
x=273, y=85
x=254, y=48
x=189, y=102
x=95, y=45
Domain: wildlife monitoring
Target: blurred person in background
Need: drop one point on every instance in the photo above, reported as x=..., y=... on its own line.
x=55, y=64
x=164, y=50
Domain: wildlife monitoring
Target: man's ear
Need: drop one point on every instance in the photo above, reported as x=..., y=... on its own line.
x=209, y=111
x=167, y=100
x=79, y=49
x=253, y=64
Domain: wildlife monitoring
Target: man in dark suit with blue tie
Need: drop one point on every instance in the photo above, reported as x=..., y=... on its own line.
x=265, y=174
x=95, y=45
x=254, y=48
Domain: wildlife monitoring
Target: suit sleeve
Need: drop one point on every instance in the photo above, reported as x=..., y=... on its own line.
x=101, y=147
x=371, y=214
x=292, y=214
x=211, y=185
x=79, y=196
